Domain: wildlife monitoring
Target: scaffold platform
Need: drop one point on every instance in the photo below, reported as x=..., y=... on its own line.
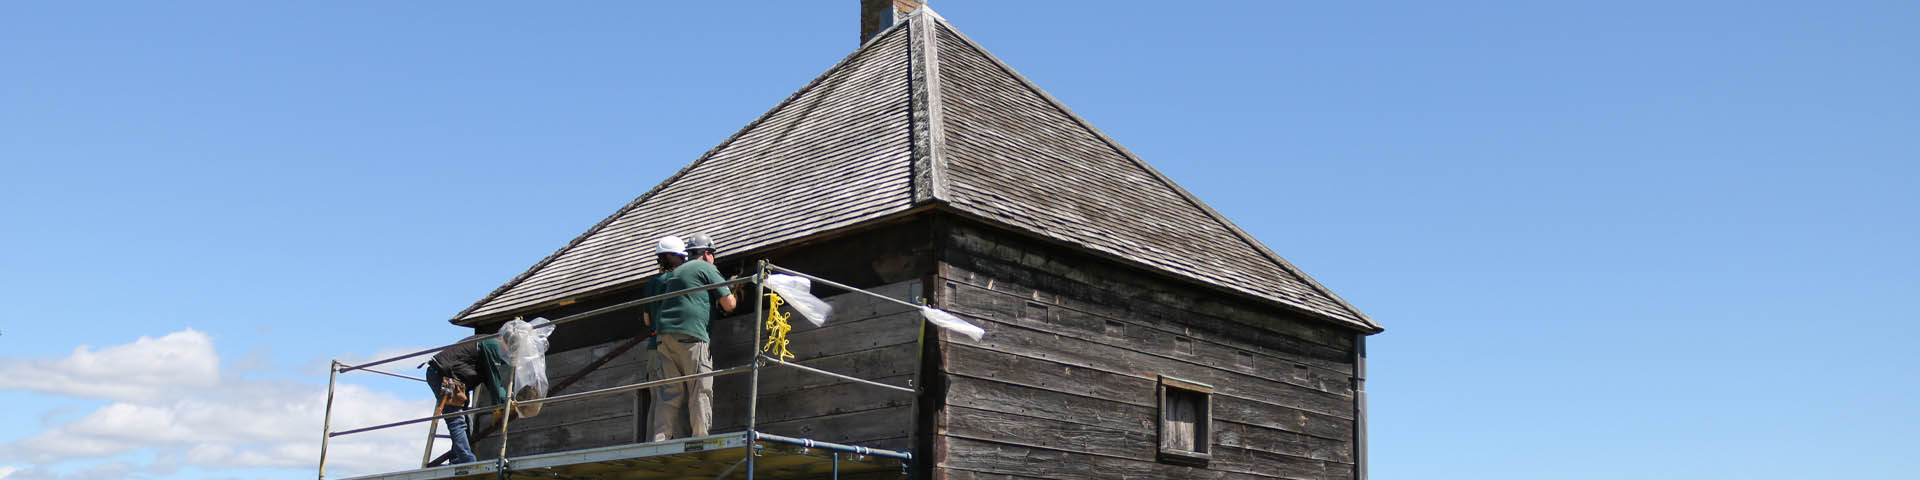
x=708, y=457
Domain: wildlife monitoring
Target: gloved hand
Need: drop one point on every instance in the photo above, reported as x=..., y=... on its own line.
x=749, y=286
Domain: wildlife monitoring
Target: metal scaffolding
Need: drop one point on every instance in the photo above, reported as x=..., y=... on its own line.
x=749, y=444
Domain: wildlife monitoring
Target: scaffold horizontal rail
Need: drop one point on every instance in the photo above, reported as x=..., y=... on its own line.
x=841, y=286
x=556, y=322
x=562, y=398
x=850, y=378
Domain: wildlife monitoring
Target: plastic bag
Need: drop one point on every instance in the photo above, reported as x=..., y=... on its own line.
x=527, y=352
x=948, y=321
x=797, y=291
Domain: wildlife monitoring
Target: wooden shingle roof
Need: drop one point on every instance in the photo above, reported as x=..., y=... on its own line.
x=921, y=115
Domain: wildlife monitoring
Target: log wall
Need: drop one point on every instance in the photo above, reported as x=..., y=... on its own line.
x=1062, y=386
x=1063, y=383
x=866, y=337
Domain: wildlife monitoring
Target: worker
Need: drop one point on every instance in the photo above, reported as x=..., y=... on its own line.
x=686, y=408
x=669, y=253
x=459, y=370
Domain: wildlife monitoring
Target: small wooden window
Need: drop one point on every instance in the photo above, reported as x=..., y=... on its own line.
x=1186, y=420
x=1037, y=311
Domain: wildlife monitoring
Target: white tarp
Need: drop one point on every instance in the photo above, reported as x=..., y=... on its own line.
x=527, y=352
x=942, y=319
x=797, y=291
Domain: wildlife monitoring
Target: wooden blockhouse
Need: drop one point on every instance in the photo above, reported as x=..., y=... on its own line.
x=1131, y=331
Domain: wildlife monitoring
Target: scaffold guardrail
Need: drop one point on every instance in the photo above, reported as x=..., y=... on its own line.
x=503, y=464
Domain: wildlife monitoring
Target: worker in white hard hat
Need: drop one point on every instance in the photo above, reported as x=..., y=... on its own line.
x=669, y=252
x=686, y=409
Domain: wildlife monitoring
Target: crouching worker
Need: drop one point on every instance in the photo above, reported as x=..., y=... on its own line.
x=456, y=372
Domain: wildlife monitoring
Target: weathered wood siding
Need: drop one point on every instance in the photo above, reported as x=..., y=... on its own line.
x=1063, y=383
x=866, y=337
x=1062, y=386
x=586, y=423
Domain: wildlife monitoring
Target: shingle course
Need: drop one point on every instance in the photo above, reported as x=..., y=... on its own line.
x=834, y=153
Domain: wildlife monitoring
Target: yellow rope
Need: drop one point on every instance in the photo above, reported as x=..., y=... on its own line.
x=777, y=327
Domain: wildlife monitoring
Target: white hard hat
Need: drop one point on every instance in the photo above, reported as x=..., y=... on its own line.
x=671, y=244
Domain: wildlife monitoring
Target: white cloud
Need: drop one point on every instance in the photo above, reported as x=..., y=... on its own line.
x=143, y=370
x=191, y=415
x=103, y=471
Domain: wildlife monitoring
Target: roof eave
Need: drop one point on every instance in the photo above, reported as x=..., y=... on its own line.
x=1162, y=272
x=590, y=295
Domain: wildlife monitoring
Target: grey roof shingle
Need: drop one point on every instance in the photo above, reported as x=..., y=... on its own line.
x=922, y=115
x=837, y=151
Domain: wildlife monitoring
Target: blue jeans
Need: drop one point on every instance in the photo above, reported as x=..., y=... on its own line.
x=456, y=426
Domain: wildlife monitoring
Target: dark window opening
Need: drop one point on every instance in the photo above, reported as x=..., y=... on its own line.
x=1037, y=311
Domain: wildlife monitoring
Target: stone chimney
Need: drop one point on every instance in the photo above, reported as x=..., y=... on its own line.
x=877, y=15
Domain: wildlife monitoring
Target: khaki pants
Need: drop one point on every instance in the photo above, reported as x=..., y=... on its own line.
x=674, y=415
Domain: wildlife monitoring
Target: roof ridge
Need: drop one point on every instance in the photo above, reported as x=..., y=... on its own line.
x=637, y=201
x=1243, y=236
x=929, y=130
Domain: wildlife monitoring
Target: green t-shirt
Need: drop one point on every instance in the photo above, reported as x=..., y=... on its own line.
x=482, y=362
x=689, y=314
x=655, y=286
x=496, y=367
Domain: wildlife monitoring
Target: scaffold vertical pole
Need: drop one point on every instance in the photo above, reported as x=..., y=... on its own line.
x=433, y=426
x=506, y=415
x=753, y=389
x=326, y=422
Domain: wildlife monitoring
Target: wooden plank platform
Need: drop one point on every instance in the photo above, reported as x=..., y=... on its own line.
x=706, y=457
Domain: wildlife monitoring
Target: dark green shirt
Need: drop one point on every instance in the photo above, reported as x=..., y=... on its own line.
x=655, y=286
x=691, y=313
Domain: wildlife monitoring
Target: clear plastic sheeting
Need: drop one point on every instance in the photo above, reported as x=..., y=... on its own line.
x=942, y=319
x=797, y=291
x=527, y=351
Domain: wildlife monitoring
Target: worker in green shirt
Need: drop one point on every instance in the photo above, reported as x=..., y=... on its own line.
x=686, y=408
x=669, y=252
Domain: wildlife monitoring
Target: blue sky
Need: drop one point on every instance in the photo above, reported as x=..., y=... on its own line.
x=1620, y=240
